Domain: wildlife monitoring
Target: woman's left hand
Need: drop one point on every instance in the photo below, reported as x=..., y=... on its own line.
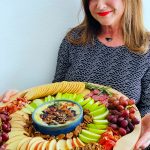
x=144, y=140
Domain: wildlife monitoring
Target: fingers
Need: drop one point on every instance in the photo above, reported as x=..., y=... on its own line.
x=143, y=142
x=7, y=95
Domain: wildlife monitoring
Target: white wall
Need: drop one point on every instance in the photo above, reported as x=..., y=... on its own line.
x=30, y=35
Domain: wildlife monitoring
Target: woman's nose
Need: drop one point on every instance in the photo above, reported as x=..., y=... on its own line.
x=101, y=4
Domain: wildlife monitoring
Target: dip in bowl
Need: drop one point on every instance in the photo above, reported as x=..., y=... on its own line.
x=57, y=117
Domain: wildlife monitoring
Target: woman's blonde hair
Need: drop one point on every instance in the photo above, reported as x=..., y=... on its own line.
x=136, y=37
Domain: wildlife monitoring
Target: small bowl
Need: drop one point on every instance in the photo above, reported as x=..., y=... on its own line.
x=44, y=128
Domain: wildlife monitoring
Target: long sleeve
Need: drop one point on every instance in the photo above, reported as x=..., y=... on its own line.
x=144, y=104
x=62, y=61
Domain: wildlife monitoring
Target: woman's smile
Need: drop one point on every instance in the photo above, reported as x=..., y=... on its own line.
x=104, y=13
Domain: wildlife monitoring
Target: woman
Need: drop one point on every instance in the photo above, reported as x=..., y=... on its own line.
x=110, y=47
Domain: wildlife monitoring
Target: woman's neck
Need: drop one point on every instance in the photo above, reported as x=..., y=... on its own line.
x=113, y=31
x=111, y=36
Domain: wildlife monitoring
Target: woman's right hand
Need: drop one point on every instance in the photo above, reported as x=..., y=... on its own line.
x=7, y=95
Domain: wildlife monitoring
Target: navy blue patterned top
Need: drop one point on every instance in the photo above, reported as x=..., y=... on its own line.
x=117, y=67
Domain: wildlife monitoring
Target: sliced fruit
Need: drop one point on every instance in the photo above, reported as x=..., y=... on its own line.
x=85, y=92
x=74, y=142
x=17, y=122
x=23, y=114
x=95, y=126
x=58, y=96
x=89, y=104
x=79, y=98
x=69, y=144
x=94, y=106
x=100, y=122
x=102, y=116
x=17, y=129
x=64, y=96
x=61, y=145
x=52, y=145
x=13, y=145
x=98, y=111
x=86, y=139
x=32, y=141
x=85, y=101
x=90, y=134
x=71, y=97
x=43, y=145
x=15, y=125
x=15, y=138
x=80, y=143
x=26, y=110
x=36, y=103
x=31, y=109
x=16, y=133
x=101, y=126
x=39, y=146
x=23, y=143
x=36, y=143
x=17, y=118
x=97, y=131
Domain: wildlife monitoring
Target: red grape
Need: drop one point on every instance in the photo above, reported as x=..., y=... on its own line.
x=4, y=127
x=113, y=126
x=131, y=126
x=123, y=102
x=114, y=120
x=120, y=119
x=124, y=123
x=135, y=121
x=128, y=130
x=132, y=110
x=122, y=131
x=125, y=113
x=110, y=117
x=5, y=136
x=120, y=107
x=131, y=116
x=131, y=101
x=3, y=117
x=1, y=140
x=116, y=103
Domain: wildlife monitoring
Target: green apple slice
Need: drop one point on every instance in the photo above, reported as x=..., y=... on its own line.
x=85, y=101
x=58, y=96
x=86, y=139
x=101, y=127
x=29, y=107
x=90, y=134
x=49, y=98
x=95, y=126
x=70, y=96
x=94, y=106
x=79, y=98
x=25, y=110
x=102, y=116
x=89, y=104
x=98, y=107
x=64, y=96
x=101, y=122
x=36, y=103
x=98, y=111
x=97, y=131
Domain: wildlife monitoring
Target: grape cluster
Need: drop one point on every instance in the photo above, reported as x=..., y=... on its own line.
x=5, y=127
x=122, y=115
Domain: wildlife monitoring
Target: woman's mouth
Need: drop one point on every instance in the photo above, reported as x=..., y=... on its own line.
x=104, y=13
